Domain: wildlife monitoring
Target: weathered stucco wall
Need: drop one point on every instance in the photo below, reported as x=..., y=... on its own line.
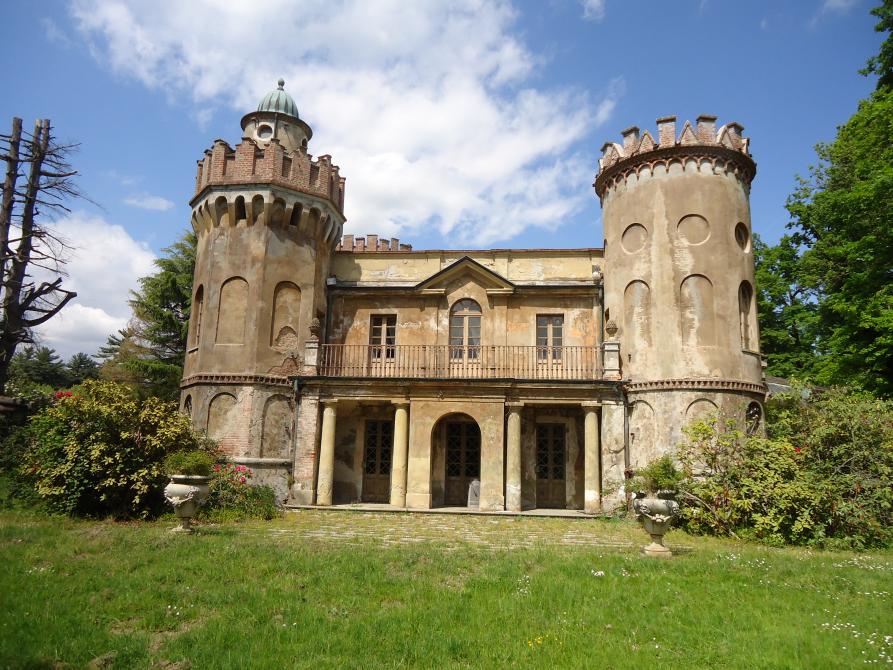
x=516, y=265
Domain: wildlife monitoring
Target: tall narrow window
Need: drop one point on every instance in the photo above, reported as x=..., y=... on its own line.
x=383, y=336
x=198, y=307
x=549, y=336
x=465, y=330
x=746, y=316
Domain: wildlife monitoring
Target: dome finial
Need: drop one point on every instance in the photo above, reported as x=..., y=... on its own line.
x=281, y=83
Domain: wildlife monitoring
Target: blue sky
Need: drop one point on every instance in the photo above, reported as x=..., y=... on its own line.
x=459, y=124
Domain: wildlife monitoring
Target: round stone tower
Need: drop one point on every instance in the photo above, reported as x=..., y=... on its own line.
x=679, y=279
x=267, y=217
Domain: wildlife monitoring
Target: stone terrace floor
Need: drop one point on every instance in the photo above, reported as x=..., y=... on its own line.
x=454, y=531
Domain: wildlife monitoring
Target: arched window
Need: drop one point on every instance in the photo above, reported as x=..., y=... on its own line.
x=465, y=330
x=198, y=308
x=753, y=418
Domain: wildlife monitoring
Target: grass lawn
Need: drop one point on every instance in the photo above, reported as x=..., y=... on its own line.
x=350, y=590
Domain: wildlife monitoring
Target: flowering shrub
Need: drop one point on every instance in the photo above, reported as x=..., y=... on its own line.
x=99, y=451
x=233, y=497
x=823, y=477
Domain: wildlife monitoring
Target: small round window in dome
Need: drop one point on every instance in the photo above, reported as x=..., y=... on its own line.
x=742, y=237
x=264, y=132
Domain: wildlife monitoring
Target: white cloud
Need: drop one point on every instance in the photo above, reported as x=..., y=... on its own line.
x=103, y=266
x=146, y=201
x=839, y=5
x=430, y=109
x=593, y=10
x=54, y=33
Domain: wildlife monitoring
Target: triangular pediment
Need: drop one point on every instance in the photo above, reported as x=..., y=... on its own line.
x=470, y=268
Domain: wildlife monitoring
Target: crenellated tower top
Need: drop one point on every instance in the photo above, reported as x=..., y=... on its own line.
x=724, y=149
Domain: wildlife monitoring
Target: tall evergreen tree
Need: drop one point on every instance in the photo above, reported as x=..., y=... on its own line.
x=150, y=351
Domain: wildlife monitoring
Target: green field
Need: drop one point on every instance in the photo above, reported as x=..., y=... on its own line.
x=352, y=590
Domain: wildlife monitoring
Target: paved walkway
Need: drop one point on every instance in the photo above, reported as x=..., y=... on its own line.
x=451, y=531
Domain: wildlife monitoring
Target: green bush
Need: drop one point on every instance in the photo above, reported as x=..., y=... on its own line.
x=232, y=497
x=100, y=451
x=822, y=477
x=189, y=463
x=659, y=475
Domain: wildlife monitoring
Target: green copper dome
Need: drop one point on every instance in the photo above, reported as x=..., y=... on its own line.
x=278, y=101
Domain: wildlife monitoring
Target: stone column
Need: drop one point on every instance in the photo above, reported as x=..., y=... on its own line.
x=326, y=476
x=400, y=455
x=591, y=459
x=513, y=458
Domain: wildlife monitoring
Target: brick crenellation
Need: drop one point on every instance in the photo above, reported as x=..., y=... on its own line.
x=703, y=133
x=371, y=243
x=252, y=163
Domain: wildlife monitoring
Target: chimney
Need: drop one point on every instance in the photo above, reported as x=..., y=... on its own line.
x=384, y=245
x=347, y=242
x=359, y=244
x=630, y=138
x=405, y=247
x=395, y=244
x=707, y=129
x=372, y=242
x=666, y=131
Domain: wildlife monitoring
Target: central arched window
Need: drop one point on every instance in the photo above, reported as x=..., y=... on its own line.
x=465, y=330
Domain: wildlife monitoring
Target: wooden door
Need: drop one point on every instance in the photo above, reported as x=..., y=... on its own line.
x=463, y=460
x=550, y=465
x=377, y=457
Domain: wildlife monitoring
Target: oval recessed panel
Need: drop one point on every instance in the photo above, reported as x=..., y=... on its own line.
x=693, y=229
x=634, y=238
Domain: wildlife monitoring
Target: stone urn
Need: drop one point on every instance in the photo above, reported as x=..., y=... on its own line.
x=186, y=493
x=656, y=515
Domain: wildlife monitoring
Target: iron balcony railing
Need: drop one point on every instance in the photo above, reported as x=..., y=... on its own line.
x=444, y=361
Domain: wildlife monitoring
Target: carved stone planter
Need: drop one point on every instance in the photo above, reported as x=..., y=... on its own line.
x=186, y=493
x=656, y=515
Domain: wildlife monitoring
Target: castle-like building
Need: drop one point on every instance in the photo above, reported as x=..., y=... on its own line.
x=350, y=369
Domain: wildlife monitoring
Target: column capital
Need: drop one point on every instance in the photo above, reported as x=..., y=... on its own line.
x=400, y=403
x=515, y=405
x=591, y=404
x=329, y=401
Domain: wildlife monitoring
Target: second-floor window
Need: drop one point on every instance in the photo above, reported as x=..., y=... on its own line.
x=549, y=336
x=465, y=330
x=383, y=336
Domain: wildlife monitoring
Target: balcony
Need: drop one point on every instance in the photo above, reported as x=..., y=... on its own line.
x=423, y=361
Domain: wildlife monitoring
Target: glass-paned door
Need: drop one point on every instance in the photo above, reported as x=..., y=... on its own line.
x=550, y=465
x=463, y=460
x=377, y=457
x=549, y=337
x=465, y=331
x=382, y=336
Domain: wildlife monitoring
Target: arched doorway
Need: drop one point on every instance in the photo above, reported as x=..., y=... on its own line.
x=455, y=461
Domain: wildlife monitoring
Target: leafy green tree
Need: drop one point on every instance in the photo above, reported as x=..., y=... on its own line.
x=82, y=367
x=787, y=311
x=150, y=351
x=843, y=220
x=882, y=64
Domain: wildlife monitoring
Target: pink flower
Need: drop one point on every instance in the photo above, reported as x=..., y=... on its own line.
x=242, y=479
x=217, y=468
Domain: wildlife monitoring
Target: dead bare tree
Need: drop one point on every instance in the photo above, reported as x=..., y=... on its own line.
x=39, y=182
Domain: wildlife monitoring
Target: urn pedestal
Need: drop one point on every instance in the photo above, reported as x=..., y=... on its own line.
x=186, y=493
x=656, y=515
